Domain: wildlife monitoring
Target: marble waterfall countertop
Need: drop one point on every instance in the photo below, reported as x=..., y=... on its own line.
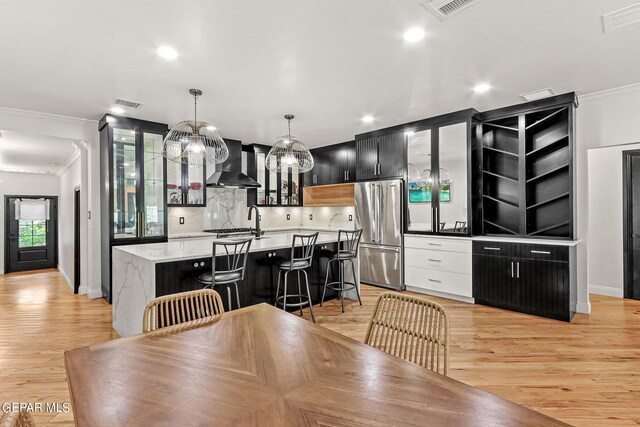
x=200, y=247
x=133, y=270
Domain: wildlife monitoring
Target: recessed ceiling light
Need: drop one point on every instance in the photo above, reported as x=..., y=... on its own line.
x=368, y=119
x=482, y=88
x=167, y=52
x=413, y=35
x=117, y=110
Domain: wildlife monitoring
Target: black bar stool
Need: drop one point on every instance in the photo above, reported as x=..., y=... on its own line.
x=348, y=245
x=235, y=254
x=298, y=264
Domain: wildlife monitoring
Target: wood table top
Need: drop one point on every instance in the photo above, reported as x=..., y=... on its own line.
x=262, y=366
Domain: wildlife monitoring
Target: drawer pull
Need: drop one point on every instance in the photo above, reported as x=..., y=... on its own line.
x=488, y=248
x=435, y=260
x=435, y=244
x=541, y=252
x=435, y=281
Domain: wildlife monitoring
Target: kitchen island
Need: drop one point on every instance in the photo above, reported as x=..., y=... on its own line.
x=143, y=272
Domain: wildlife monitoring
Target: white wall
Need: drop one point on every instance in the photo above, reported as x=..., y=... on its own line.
x=605, y=119
x=69, y=180
x=21, y=184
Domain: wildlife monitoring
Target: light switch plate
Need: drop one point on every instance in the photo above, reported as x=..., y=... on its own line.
x=181, y=220
x=350, y=217
x=288, y=217
x=310, y=217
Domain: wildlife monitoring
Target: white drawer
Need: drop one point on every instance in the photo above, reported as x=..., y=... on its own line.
x=454, y=262
x=449, y=245
x=441, y=281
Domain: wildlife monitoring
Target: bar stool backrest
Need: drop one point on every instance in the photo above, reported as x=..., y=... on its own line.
x=306, y=248
x=235, y=255
x=348, y=243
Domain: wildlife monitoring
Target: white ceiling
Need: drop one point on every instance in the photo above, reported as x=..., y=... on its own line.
x=329, y=62
x=21, y=152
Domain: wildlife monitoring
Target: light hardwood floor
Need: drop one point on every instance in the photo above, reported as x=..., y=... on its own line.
x=584, y=373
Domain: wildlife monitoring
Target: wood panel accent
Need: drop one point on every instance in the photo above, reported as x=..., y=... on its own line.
x=583, y=372
x=262, y=365
x=329, y=195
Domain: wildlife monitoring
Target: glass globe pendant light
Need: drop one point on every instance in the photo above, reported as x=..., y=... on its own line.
x=289, y=152
x=193, y=142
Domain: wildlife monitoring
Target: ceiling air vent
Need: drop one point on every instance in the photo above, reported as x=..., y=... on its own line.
x=127, y=104
x=538, y=94
x=445, y=8
x=622, y=18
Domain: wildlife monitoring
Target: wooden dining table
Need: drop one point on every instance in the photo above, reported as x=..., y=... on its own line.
x=261, y=366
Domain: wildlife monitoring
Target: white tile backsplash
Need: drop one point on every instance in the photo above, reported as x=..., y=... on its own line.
x=227, y=208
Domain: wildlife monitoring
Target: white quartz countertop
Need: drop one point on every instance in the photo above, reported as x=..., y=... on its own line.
x=201, y=248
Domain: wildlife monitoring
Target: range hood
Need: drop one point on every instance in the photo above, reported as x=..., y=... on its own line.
x=229, y=174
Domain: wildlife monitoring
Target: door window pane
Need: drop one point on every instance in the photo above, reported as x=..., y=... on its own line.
x=124, y=183
x=295, y=188
x=272, y=196
x=195, y=186
x=32, y=233
x=261, y=168
x=420, y=181
x=453, y=178
x=154, y=195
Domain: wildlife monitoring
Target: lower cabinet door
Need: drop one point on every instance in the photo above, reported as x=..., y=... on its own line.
x=494, y=281
x=545, y=289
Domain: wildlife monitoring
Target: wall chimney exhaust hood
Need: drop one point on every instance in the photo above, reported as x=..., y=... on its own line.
x=229, y=174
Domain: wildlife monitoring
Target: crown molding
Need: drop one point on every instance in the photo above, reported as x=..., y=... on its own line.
x=609, y=93
x=40, y=115
x=72, y=158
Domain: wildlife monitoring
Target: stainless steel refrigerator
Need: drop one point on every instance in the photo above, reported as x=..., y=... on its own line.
x=379, y=214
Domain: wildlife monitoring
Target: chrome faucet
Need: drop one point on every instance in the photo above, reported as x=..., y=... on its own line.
x=257, y=231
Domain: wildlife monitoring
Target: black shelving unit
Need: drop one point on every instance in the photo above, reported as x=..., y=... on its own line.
x=525, y=154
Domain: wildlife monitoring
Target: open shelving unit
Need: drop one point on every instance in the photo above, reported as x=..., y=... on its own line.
x=526, y=161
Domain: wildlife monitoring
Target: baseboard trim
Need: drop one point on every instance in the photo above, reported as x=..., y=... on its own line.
x=66, y=278
x=94, y=293
x=606, y=291
x=1, y=271
x=440, y=294
x=583, y=307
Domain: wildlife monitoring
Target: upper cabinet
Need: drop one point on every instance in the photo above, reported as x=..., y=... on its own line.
x=334, y=164
x=276, y=189
x=133, y=171
x=186, y=185
x=525, y=161
x=438, y=179
x=380, y=156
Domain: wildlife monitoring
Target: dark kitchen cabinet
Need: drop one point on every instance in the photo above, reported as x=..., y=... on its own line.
x=380, y=157
x=133, y=187
x=261, y=276
x=276, y=189
x=333, y=164
x=529, y=278
x=526, y=169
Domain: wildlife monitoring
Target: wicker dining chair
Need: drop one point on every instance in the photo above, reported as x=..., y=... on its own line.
x=179, y=308
x=414, y=329
x=17, y=419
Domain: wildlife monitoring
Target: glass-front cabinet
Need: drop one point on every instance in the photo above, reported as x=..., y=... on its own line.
x=438, y=178
x=276, y=189
x=186, y=185
x=134, y=186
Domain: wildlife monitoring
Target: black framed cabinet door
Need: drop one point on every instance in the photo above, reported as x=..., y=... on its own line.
x=545, y=288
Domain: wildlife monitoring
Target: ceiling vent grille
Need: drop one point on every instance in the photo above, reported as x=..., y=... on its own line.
x=127, y=104
x=538, y=94
x=445, y=8
x=622, y=18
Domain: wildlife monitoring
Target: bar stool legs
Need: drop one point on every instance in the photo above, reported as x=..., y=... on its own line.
x=302, y=298
x=339, y=285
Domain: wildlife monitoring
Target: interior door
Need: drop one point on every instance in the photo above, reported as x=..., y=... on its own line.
x=631, y=195
x=31, y=244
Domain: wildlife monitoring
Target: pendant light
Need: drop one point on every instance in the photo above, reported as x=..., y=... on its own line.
x=194, y=142
x=289, y=152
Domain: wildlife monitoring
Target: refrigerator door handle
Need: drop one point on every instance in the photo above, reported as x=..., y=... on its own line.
x=379, y=210
x=374, y=215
